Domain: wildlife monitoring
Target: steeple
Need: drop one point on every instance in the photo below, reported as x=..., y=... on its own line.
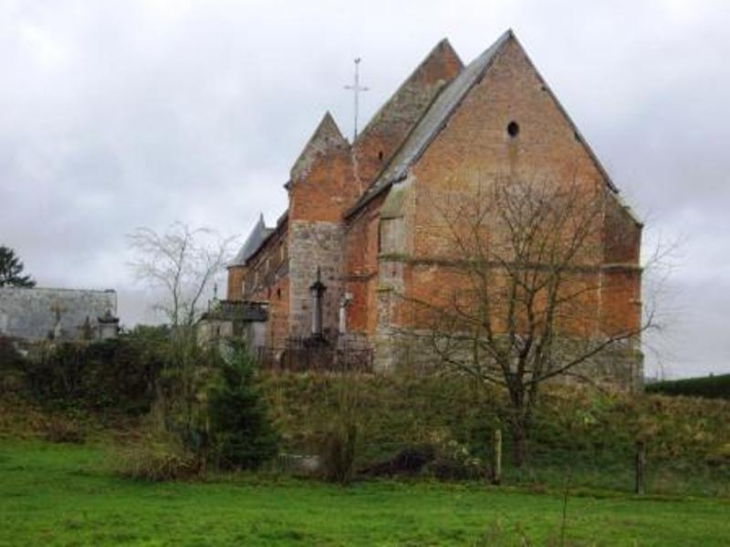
x=326, y=137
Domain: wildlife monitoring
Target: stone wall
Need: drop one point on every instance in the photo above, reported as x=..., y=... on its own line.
x=619, y=367
x=38, y=314
x=314, y=245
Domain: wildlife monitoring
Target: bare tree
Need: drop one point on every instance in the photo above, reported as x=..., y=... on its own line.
x=525, y=294
x=183, y=262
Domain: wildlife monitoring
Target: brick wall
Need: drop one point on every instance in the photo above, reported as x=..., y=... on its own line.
x=475, y=148
x=314, y=245
x=391, y=124
x=361, y=267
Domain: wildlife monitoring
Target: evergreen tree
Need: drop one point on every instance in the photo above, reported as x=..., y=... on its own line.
x=242, y=434
x=10, y=270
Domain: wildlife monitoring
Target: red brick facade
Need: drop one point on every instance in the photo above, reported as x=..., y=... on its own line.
x=367, y=213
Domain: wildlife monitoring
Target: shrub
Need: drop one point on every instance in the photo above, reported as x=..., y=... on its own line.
x=156, y=458
x=574, y=429
x=10, y=357
x=241, y=432
x=709, y=387
x=60, y=429
x=407, y=461
x=338, y=454
x=114, y=375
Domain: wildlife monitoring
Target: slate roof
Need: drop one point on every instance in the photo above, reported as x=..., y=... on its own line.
x=257, y=236
x=432, y=122
x=236, y=310
x=412, y=98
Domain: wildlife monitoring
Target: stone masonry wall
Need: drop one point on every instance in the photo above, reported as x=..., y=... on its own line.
x=619, y=367
x=31, y=313
x=314, y=245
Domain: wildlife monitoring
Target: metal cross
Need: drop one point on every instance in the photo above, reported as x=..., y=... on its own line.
x=356, y=88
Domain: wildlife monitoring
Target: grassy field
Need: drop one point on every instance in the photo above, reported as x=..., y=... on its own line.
x=54, y=494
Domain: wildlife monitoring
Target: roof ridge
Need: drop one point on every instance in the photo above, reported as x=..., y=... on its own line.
x=395, y=153
x=459, y=88
x=443, y=43
x=60, y=289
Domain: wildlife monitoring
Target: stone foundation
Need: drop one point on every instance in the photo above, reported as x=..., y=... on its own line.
x=619, y=367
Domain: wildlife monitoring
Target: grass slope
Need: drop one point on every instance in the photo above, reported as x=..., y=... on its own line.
x=62, y=495
x=576, y=432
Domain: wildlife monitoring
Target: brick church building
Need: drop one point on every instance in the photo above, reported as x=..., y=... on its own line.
x=360, y=230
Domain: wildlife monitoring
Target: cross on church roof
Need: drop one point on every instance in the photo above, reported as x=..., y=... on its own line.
x=356, y=88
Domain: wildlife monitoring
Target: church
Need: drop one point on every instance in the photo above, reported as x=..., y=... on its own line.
x=361, y=242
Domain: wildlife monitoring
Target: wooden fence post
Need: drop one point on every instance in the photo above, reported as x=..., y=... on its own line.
x=640, y=464
x=497, y=476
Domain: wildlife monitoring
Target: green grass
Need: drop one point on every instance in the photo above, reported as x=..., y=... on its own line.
x=63, y=495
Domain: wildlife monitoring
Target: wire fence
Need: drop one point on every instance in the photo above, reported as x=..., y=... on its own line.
x=629, y=470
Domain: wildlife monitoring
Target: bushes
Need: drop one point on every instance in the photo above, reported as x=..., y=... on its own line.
x=156, y=457
x=210, y=408
x=212, y=411
x=338, y=453
x=391, y=412
x=709, y=387
x=62, y=429
x=242, y=435
x=209, y=414
x=115, y=375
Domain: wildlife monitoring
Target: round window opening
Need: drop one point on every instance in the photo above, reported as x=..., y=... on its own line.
x=513, y=129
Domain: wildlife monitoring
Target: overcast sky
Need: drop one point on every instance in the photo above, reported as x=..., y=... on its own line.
x=119, y=114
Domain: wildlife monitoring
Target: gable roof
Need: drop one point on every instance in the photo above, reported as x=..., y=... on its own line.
x=438, y=114
x=432, y=121
x=415, y=94
x=325, y=137
x=257, y=236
